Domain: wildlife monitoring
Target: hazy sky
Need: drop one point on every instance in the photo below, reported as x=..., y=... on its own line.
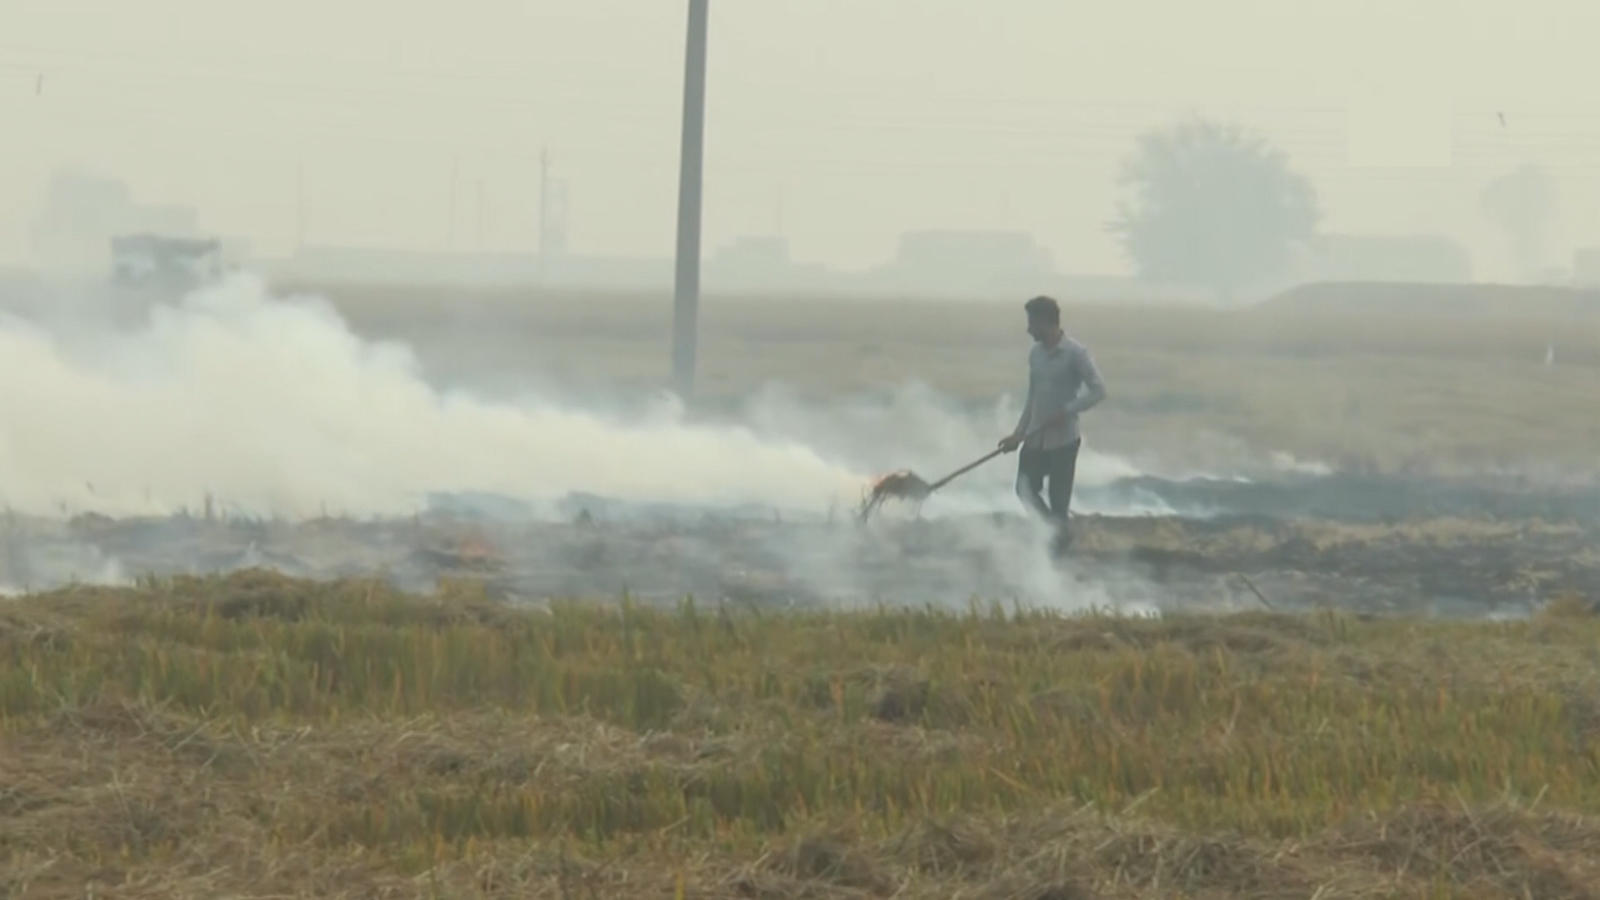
x=839, y=123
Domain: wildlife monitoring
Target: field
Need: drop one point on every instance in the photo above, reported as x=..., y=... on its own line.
x=1379, y=679
x=256, y=736
x=1394, y=389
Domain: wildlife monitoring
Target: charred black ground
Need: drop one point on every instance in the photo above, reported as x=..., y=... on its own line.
x=1363, y=543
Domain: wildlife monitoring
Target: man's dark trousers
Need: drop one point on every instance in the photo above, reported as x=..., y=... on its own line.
x=1058, y=466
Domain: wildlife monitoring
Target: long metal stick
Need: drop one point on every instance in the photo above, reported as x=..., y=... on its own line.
x=980, y=461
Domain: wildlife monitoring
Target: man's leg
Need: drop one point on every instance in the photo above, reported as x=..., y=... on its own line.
x=1063, y=472
x=1031, y=469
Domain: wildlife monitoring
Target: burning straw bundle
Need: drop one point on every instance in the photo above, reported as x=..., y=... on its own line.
x=902, y=485
x=908, y=485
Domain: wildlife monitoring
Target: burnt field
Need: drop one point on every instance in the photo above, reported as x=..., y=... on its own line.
x=1414, y=547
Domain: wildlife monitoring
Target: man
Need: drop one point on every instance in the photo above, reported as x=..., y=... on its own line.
x=1059, y=371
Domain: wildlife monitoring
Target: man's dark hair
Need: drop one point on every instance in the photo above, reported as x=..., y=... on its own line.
x=1045, y=309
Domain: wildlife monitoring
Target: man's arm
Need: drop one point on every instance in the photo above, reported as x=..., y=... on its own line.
x=1096, y=386
x=1014, y=439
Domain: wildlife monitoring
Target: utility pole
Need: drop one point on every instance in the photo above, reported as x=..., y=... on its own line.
x=686, y=291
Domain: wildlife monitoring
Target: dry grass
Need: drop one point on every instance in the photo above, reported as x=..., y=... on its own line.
x=256, y=736
x=1396, y=391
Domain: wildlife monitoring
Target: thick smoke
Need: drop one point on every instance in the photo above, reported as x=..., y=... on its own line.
x=275, y=408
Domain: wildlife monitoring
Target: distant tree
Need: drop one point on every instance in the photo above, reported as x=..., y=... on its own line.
x=1212, y=207
x=1522, y=203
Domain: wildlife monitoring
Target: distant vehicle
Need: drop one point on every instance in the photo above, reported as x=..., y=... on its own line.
x=156, y=261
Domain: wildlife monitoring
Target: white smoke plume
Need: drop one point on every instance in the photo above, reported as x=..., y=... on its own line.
x=276, y=408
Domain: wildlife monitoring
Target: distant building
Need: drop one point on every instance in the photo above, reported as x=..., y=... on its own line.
x=146, y=260
x=1015, y=251
x=965, y=263
x=754, y=253
x=1586, y=267
x=82, y=213
x=761, y=263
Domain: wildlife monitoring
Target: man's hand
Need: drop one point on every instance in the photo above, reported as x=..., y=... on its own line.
x=1010, y=442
